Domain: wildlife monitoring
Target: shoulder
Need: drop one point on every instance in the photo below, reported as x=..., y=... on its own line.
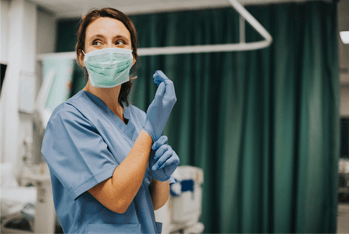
x=67, y=114
x=73, y=107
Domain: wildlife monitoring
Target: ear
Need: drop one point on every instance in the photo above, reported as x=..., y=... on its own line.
x=81, y=58
x=133, y=63
x=134, y=60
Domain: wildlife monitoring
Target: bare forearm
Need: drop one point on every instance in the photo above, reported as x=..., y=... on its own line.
x=160, y=192
x=128, y=176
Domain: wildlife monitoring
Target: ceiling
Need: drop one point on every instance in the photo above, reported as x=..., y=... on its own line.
x=77, y=8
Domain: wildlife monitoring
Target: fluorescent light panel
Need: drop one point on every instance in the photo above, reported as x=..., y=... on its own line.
x=344, y=36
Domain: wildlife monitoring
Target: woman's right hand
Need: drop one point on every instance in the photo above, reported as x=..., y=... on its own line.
x=160, y=109
x=163, y=160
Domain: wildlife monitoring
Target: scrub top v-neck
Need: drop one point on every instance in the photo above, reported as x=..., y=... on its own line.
x=83, y=143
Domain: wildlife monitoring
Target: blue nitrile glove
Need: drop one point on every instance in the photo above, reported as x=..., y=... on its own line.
x=159, y=110
x=163, y=160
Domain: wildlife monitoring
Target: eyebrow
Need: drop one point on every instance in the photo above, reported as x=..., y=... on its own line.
x=118, y=36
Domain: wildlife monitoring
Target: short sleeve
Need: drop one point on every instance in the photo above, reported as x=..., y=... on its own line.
x=75, y=153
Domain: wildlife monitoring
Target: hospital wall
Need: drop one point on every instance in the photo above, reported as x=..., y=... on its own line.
x=46, y=38
x=20, y=32
x=5, y=5
x=22, y=72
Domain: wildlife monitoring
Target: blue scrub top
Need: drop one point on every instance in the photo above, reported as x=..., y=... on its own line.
x=83, y=143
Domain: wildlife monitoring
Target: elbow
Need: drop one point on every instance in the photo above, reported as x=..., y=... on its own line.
x=120, y=211
x=120, y=208
x=157, y=207
x=160, y=205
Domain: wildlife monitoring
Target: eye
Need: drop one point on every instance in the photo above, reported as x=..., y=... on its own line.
x=120, y=42
x=97, y=42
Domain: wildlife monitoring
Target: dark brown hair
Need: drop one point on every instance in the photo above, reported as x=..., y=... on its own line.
x=114, y=14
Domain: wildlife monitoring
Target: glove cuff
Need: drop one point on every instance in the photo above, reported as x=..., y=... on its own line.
x=150, y=132
x=157, y=175
x=149, y=128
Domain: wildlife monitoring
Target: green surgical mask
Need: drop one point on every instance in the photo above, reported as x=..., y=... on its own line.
x=108, y=67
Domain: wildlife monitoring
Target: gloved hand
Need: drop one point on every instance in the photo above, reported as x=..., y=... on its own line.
x=159, y=110
x=163, y=160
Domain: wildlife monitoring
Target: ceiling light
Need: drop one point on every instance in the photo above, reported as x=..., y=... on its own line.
x=344, y=36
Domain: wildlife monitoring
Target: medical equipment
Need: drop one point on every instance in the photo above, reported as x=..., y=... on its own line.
x=241, y=46
x=32, y=204
x=343, y=174
x=18, y=202
x=45, y=215
x=13, y=198
x=182, y=212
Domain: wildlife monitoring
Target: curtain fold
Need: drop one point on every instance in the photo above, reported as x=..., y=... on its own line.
x=263, y=125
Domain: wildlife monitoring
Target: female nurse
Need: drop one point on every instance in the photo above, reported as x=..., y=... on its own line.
x=109, y=165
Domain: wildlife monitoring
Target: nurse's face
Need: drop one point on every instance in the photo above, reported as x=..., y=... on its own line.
x=106, y=32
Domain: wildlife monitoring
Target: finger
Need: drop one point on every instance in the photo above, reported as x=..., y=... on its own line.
x=171, y=161
x=159, y=77
x=170, y=88
x=161, y=74
x=161, y=141
x=157, y=80
x=161, y=89
x=160, y=152
x=162, y=160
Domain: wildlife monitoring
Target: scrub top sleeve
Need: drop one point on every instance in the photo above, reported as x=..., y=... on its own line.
x=75, y=152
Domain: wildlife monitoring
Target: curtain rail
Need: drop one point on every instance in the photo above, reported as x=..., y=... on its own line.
x=242, y=46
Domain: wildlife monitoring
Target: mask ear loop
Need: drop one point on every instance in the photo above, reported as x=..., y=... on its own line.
x=85, y=67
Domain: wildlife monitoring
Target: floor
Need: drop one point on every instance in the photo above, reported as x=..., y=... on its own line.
x=343, y=218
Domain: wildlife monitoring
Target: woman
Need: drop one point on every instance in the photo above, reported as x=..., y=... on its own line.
x=110, y=167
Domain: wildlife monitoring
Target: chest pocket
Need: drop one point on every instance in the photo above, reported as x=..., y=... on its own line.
x=113, y=228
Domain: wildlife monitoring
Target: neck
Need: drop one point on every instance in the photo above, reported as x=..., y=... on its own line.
x=109, y=96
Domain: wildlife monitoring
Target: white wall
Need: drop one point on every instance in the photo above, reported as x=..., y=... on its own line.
x=26, y=30
x=46, y=32
x=46, y=39
x=20, y=63
x=4, y=7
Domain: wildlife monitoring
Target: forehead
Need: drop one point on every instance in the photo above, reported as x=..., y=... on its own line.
x=108, y=27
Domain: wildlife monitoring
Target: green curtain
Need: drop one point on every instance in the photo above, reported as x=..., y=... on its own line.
x=263, y=125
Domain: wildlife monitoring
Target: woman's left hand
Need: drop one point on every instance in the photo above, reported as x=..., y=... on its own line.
x=163, y=160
